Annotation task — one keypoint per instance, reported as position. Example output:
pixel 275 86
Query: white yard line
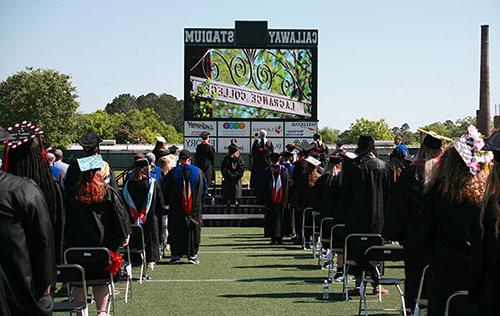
pixel 195 280
pixel 249 252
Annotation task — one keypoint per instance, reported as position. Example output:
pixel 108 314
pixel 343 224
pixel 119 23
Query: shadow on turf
pixel 317 280
pixel 307 267
pixel 334 297
pixel 281 255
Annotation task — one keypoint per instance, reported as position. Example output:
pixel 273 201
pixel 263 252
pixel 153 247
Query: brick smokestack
pixel 483 118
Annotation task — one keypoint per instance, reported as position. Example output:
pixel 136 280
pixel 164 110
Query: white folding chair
pixel 321 239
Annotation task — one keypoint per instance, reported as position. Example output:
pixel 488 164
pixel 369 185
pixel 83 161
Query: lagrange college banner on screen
pixel 251 97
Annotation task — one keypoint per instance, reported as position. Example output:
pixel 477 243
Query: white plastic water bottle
pixel 326 293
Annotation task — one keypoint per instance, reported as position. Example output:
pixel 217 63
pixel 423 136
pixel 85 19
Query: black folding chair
pixel 322 239
pixel 457 304
pixel 70 274
pixel 375 257
pixel 421 303
pixel 94 260
pixel 137 247
pixel 354 253
pixel 314 214
pixel 338 234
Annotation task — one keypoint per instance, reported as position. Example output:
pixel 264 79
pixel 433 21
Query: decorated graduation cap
pixel 469 146
pixel 433 140
pixel 90 163
pixel 20 134
pixel 315 162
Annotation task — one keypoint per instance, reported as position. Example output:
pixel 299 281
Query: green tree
pixel 451 129
pixel 379 129
pixel 408 136
pixel 43 96
pixel 100 122
pixel 121 104
pixel 329 135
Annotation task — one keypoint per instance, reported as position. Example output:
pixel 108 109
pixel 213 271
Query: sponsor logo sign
pixel 300 129
pixel 242 143
pixel 233 128
pixel 298 141
pixel 278 144
pixel 190 143
pixel 273 129
pixel 195 128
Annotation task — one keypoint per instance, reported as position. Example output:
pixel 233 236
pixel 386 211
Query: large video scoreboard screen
pixel 225 78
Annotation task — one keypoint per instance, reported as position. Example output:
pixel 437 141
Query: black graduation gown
pixel 231 179
pixel 448 235
pixel 288 223
pixel 138 191
pixel 204 159
pixel 274 212
pixel 27 264
pixel 261 159
pixel 486 260
pixel 322 150
pixel 305 196
pixel 184 231
pixel 405 223
pixel 364 194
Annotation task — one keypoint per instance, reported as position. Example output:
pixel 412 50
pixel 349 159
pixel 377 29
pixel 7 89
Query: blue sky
pixel 405 61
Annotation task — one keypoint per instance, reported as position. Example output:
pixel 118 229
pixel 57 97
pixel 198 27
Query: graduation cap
pixel 90 163
pixel 336 157
pixel 315 162
pixel 184 154
pixel 275 157
pixel 365 140
pixel 21 133
pixel 89 141
pixel 172 149
pixel 432 139
pixel 231 149
pixel 204 135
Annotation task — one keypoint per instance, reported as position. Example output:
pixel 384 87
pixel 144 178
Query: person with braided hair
pixel 25 157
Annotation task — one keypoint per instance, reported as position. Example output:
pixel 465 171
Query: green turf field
pixel 240 274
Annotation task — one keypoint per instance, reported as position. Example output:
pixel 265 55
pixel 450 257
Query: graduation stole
pixel 262 144
pixel 187 196
pixel 139 217
pixel 277 190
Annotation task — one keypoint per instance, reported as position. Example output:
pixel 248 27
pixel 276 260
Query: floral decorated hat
pixel 470 147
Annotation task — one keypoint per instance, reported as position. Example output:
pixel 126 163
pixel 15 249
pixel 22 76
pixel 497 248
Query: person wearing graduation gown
pixel 486 243
pixel 320 148
pixel 25 156
pixel 288 223
pixel 98 218
pixel 364 189
pixel 160 148
pixel 306 196
pixel 232 172
pixel 184 189
pixel 262 148
pixel 451 211
pixel 204 158
pixel 275 192
pixel 27 264
pixel 143 197
pixel 90 143
pixel 396 165
pixel 405 212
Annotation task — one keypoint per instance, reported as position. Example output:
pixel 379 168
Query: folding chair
pixel 457 304
pixel 70 274
pixel 354 254
pixel 127 269
pixel 375 257
pixel 322 239
pixel 94 260
pixel 314 214
pixel 420 303
pixel 137 246
pixel 337 236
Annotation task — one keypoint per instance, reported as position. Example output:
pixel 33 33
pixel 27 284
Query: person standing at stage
pixel 451 211
pixel 319 148
pixel 275 193
pixel 232 172
pixel 204 158
pixel 143 197
pixel 184 189
pixel 405 213
pixel 262 148
pixel 27 264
